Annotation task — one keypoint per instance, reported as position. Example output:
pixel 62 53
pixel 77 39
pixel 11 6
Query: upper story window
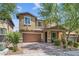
pixel 39 23
pixel 27 20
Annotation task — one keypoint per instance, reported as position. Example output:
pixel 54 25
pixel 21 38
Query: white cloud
pixel 19 8
pixel 37 5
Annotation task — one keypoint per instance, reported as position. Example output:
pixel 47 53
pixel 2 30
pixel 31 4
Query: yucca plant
pixel 13 37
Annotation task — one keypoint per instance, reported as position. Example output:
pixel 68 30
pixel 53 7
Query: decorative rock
pixel 4 52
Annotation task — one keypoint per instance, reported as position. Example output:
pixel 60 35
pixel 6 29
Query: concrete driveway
pixel 43 49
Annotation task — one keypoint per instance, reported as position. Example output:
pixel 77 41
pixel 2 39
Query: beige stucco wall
pixel 10 29
pixel 49 36
pixel 42 37
pixel 25 27
pixel 60 35
pixel 5 25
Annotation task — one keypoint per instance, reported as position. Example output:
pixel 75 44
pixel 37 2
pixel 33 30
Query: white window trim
pixel 24 20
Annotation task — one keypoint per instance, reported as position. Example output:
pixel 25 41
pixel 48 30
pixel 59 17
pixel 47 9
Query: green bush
pixel 70 43
pixel 57 42
pixel 13 37
pixel 76 44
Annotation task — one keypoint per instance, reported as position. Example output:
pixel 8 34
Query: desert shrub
pixel 76 44
pixel 70 43
pixel 57 42
pixel 13 37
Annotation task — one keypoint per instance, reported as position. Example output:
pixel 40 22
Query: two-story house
pixel 34 30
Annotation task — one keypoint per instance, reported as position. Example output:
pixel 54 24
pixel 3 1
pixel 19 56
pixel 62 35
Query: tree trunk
pixel 64 41
pixel 14 47
pixel 68 35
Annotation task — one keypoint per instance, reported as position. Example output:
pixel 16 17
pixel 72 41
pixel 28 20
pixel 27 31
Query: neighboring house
pixel 73 36
pixel 34 30
pixel 5 26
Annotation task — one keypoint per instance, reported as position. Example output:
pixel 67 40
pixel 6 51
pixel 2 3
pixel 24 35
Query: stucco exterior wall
pixel 6 26
pixel 25 27
pixel 10 29
pixel 49 36
pixel 3 25
pixel 60 35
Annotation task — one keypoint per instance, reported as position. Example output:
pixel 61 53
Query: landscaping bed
pixel 3 49
pixel 19 51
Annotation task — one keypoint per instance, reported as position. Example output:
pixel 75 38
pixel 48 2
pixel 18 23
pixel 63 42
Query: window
pixel 39 23
pixel 2 30
pixel 27 20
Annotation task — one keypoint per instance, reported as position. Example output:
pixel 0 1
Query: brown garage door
pixel 31 37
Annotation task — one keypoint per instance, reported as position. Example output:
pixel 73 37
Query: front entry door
pixel 53 36
pixel 45 37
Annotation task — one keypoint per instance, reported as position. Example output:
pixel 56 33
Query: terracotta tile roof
pixel 11 22
pixel 25 13
pixel 57 27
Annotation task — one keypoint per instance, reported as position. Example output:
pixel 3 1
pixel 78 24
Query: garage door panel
pixel 31 37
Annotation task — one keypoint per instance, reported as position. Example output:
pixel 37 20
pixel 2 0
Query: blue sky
pixel 25 7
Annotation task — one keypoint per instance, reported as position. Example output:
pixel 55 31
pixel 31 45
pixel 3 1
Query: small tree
pixel 50 13
pixel 71 12
pixel 13 37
